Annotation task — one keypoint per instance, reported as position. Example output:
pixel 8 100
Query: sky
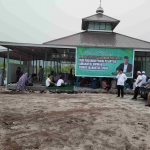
pixel 38 21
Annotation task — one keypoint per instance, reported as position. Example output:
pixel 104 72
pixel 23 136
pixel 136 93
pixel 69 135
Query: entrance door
pixel 142 63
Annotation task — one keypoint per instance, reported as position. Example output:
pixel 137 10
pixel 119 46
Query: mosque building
pixel 98 33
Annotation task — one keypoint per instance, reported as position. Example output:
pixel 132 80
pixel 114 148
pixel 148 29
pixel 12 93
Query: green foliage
pixel 2 65
pixel 66 69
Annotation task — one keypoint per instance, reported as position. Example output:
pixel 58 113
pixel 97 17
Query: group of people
pixel 67 77
pixel 22 79
pixel 121 78
pixel 107 85
pixel 62 79
pixel 97 82
pixel 49 82
pixel 58 79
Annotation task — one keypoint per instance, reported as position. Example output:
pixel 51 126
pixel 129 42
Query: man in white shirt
pixel 143 77
pixel 120 82
pixel 60 82
pixel 49 82
pixel 138 84
pixel 134 84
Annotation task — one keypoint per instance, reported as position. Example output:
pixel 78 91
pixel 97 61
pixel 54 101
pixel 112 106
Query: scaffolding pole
pixel 28 67
pixel 33 64
pixel 4 64
pixel 50 66
pixel 36 65
pixel 7 65
pixel 45 65
pixel 20 59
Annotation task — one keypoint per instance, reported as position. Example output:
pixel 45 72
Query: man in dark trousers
pixel 18 73
pixel 125 66
pixel 138 84
pixel 121 78
pixel 41 74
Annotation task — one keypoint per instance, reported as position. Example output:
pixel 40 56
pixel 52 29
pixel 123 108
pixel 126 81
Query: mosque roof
pixel 100 39
pixel 99 18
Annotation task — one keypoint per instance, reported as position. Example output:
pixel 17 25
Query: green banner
pixel 104 62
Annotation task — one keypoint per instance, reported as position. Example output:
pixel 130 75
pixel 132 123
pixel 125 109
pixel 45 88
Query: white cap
pixel 139 72
pixel 143 72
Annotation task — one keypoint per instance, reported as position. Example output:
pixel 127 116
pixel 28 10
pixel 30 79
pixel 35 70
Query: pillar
pixel 54 67
pixel 28 66
pixel 4 64
pixel 36 65
pixel 39 63
pixel 20 59
pixel 145 62
pixel 7 65
pixel 50 66
pixel 60 66
pixel 45 65
pixel 33 64
pixel 57 66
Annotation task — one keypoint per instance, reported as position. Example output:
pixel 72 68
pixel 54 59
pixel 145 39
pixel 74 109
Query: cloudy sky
pixel 38 21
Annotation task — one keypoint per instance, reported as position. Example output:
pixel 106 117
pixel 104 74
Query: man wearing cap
pixel 143 77
pixel 125 66
pixel 121 78
pixel 138 84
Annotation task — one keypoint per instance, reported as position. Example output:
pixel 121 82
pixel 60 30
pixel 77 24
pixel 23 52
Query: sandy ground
pixel 73 122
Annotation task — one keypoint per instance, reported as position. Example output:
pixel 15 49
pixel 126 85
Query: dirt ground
pixel 73 122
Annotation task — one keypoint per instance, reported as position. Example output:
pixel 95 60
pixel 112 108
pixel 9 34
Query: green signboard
pixel 104 62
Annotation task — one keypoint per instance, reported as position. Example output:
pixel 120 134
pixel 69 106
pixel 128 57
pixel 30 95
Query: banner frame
pixel 103 76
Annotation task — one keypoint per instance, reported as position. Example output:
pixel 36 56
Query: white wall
pixel 24 68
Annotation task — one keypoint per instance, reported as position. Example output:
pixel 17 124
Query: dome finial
pixel 100 9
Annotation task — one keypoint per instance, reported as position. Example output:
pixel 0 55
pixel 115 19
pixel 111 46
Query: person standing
pixel 143 77
pixel 121 78
pixel 138 84
pixel 18 74
pixel 41 74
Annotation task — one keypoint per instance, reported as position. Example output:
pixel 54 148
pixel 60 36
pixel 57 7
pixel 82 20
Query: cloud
pixel 36 21
pixel 136 22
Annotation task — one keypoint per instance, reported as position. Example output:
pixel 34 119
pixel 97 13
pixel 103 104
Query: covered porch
pixel 30 56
